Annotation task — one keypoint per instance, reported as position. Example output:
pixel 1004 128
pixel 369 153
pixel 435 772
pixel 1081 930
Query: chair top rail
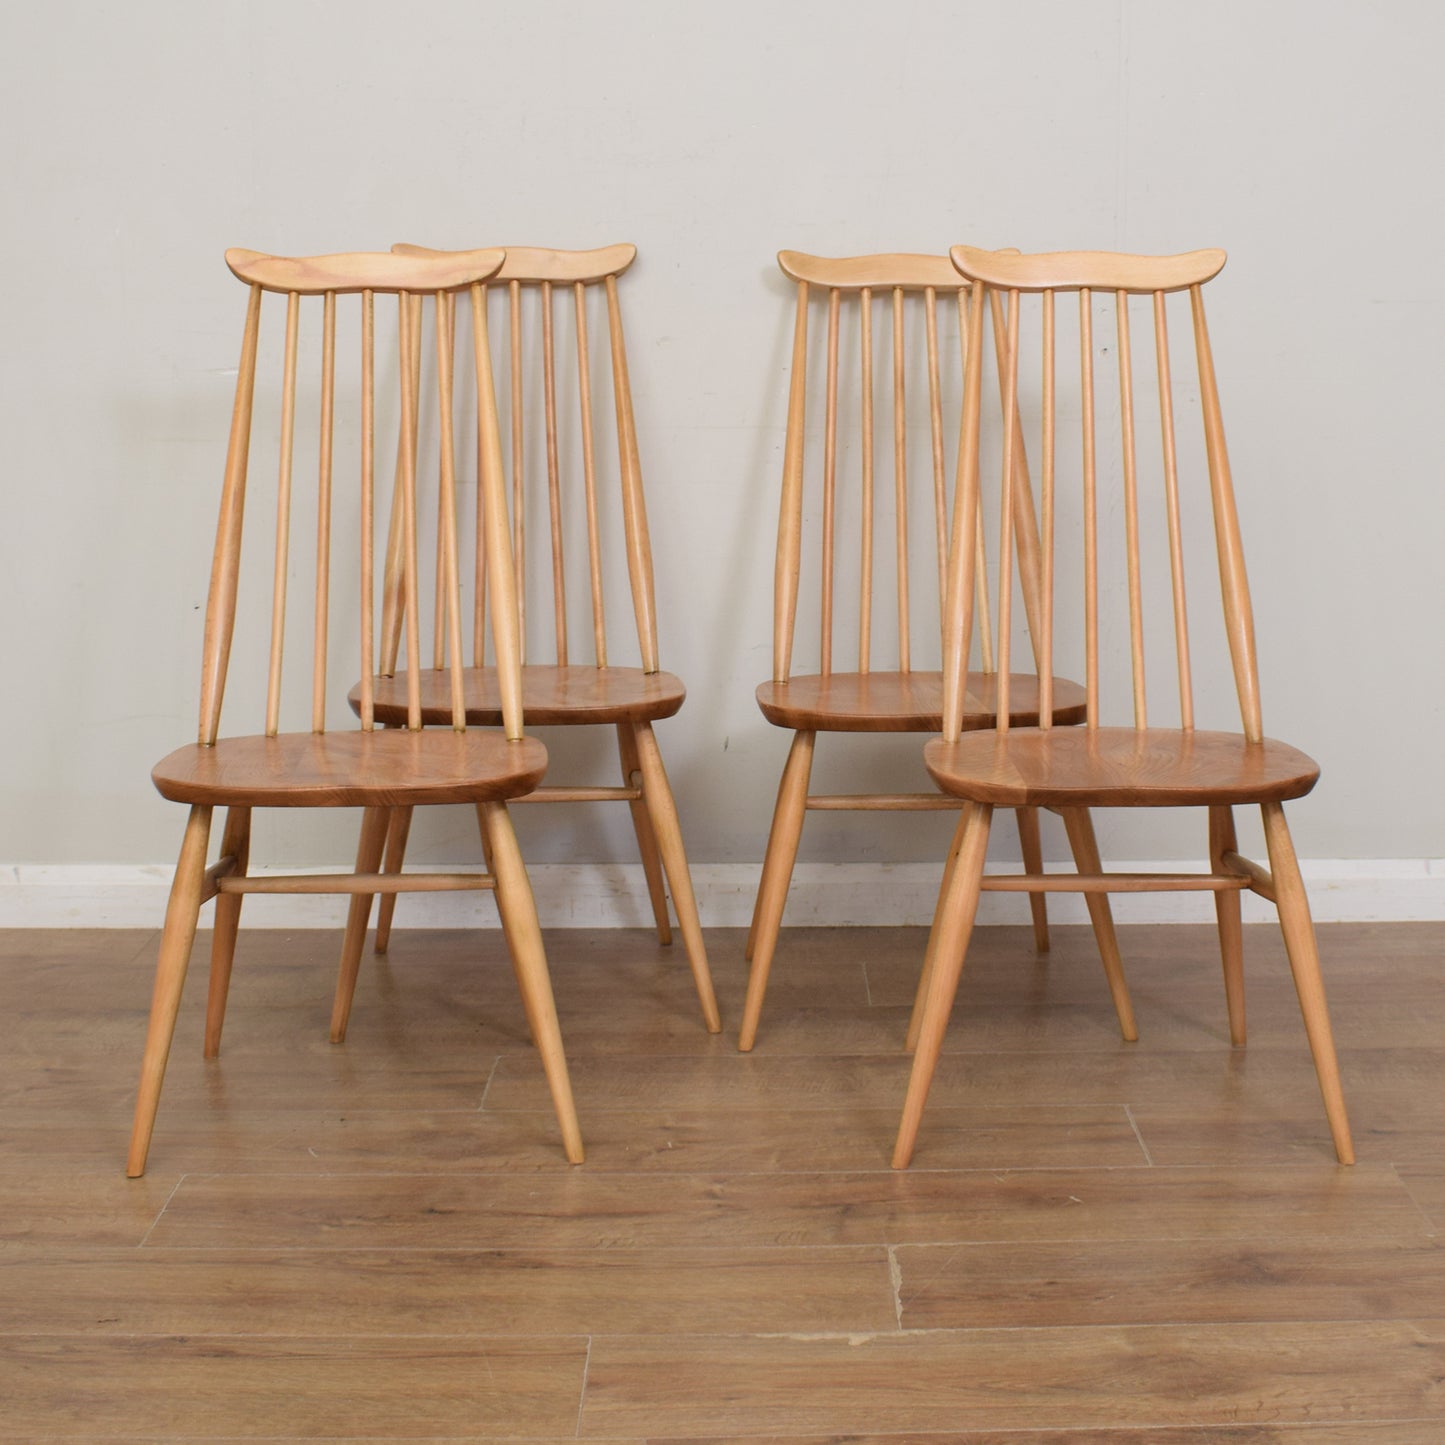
pixel 884 272
pixel 532 264
pixel 350 272
pixel 1093 270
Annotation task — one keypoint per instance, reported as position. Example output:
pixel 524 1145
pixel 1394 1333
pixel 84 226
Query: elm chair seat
pixel 551 696
pixel 904 702
pixel 1118 767
pixel 352 770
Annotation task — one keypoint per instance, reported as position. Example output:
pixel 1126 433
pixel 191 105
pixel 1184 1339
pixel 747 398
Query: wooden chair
pixel 564 691
pixel 1143 764
pixel 905 699
pixel 366 767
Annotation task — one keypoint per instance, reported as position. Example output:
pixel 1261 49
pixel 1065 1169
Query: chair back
pixel 310 368
pixel 846 289
pixel 543 361
pixel 1142 488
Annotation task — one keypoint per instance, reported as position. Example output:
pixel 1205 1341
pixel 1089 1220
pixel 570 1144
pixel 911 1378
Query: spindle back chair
pixel 542 356
pixel 362 765
pixel 1143 764
pixel 849 692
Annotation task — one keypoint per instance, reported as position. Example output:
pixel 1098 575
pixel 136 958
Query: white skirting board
pixel 613 895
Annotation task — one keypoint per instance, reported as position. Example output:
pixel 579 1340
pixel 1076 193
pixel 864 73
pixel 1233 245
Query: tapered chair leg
pixel 524 938
pixel 368 860
pixel 1304 962
pixel 920 997
pixel 662 810
pixel 1228 908
pixel 1080 828
pixel 235 843
pixel 646 838
pixel 177 936
pixel 953 925
pixel 788 814
pixel 396 836
pixel 1031 847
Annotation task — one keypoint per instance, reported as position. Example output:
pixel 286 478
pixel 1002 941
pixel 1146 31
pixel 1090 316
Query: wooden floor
pixel 1098 1242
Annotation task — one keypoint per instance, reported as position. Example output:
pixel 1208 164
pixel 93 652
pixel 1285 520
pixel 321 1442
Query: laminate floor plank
pixel 583 1209
pixel 413 1292
pixel 655 1140
pixel 1142 1244
pixel 1099 1378
pixel 154 1387
pixel 1179 1281
pixel 39 1205
pixel 1387 1432
pixel 1426 1183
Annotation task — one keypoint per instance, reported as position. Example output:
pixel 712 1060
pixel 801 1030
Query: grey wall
pixel 145 139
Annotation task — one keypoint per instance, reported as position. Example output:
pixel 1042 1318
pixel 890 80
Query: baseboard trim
pixel 613 895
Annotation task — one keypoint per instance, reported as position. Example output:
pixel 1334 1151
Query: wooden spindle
pixel 506 620
pixel 961 556
pixel 1091 519
pixel 225 566
pixel 283 516
pixel 450 567
pixel 479 544
pixel 1238 612
pixel 446 528
pixel 554 475
pixel 830 479
pixel 865 579
pixel 368 508
pixel 1045 639
pixel 935 438
pixel 408 321
pixel 1025 519
pixel 790 510
pixel 323 513
pixel 1131 508
pixel 1006 512
pixel 519 509
pixel 589 476
pixel 393 585
pixel 634 508
pixel 1171 500
pixel 900 478
pixel 980 547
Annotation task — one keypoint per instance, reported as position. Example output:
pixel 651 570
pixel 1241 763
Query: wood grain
pixel 552 696
pixel 905 702
pixel 978 1379
pixel 1118 767
pixel 340 770
pixel 1092 270
pixel 1147 1244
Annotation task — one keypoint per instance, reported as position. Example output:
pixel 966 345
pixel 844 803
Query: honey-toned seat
pixel 543 357
pixel 1118 768
pixel 903 702
pixel 904 698
pixel 1144 482
pixel 360 765
pixel 552 696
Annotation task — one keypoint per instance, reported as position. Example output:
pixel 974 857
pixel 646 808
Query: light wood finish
pixel 377 1240
pixel 236 847
pixel 904 702
pixel 551 696
pixel 566 691
pixel 1088 270
pixel 368 768
pixel 357 272
pixel 1107 766
pixel 904 696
